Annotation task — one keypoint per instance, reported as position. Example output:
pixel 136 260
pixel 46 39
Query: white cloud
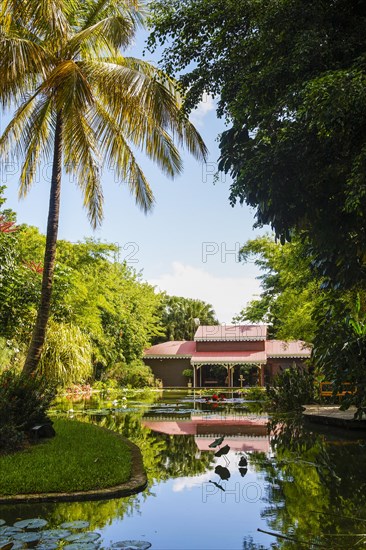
pixel 183 483
pixel 228 295
pixel 206 105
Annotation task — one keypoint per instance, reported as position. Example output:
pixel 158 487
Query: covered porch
pixel 222 369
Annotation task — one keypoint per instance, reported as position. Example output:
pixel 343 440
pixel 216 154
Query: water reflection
pixel 315 488
pixel 218 474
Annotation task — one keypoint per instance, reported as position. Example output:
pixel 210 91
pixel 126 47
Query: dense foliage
pixel 81 103
pixel 102 312
pixel 24 402
pixel 290 76
pixel 291 389
pixel 290 290
pixel 340 350
pixel 297 306
pixel 181 317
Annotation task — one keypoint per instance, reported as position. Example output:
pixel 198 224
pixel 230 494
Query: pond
pixel 260 476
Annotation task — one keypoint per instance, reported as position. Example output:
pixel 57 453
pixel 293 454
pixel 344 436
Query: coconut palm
pixel 81 104
pixel 181 317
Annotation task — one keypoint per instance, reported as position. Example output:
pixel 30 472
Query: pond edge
pixel 136 484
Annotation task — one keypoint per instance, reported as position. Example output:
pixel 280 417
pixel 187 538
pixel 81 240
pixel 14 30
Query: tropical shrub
pixel 291 389
pixel 340 351
pixel 5 354
pixel 188 373
pixel 67 355
pixel 135 375
pixel 24 401
pixel 256 393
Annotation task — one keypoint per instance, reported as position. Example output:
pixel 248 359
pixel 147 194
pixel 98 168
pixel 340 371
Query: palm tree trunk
pixel 39 331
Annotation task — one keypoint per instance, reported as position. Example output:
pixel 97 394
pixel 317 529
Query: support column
pixel 194 376
pixel 261 376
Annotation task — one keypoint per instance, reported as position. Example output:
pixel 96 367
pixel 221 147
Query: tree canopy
pixel 290 76
pixel 103 313
pixel 290 292
pixel 81 105
pixel 180 317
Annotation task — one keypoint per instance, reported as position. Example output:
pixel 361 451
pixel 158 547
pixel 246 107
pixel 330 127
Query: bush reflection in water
pixel 314 482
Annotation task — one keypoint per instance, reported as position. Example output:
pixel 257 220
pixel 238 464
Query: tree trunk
pixel 39 331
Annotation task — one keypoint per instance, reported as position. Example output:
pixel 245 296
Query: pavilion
pixel 225 355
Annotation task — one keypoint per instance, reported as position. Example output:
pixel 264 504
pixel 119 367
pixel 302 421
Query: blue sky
pixel 186 246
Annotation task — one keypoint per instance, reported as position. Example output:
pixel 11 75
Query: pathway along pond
pixel 270 474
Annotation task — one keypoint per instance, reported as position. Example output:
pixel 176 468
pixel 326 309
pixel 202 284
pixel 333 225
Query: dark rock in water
pixel 40 431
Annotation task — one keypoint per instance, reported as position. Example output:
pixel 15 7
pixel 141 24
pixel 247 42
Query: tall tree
pixel 291 78
pixel 80 104
pixel 290 292
pixel 180 317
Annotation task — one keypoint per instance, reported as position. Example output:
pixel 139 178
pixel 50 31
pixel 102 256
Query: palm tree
pixel 181 317
pixel 81 104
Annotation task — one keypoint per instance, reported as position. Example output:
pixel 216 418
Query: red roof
pixel 231 333
pixel 181 348
pixel 279 348
pixel 273 348
pixel 215 357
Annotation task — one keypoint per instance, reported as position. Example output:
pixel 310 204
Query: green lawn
pixel 81 457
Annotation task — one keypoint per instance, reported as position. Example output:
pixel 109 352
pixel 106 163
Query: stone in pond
pixel 81 538
pixel 54 534
pixel 35 523
pixel 132 545
pixel 27 537
pixel 78 524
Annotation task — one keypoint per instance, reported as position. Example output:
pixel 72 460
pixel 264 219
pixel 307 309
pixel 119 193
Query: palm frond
pixel 127 80
pixel 109 34
pixel 37 133
pixel 46 18
pixel 69 86
pixel 13 140
pixel 82 159
pixel 97 10
pixel 140 131
pixel 121 158
pixel 22 64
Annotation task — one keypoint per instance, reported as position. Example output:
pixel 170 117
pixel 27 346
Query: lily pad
pixel 81 538
pixel 78 524
pixel 54 534
pixel 2 521
pixel 9 531
pixel 80 546
pixel 27 537
pixel 132 545
pixel 13 545
pixel 48 545
pixel 35 523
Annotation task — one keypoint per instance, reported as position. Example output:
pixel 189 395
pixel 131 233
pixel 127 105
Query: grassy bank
pixel 81 457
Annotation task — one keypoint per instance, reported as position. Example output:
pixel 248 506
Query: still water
pixel 271 474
